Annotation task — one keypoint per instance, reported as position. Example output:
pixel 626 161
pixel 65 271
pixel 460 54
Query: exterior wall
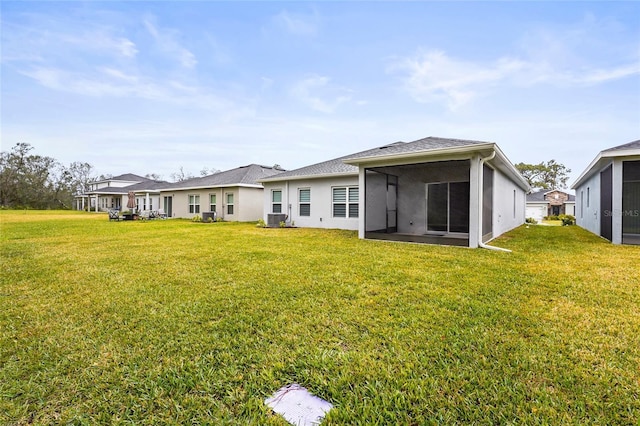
pixel 536 210
pixel 112 183
pixel 321 203
pixel 570 208
pixel 249 204
pixel 141 202
pixel 588 204
pixel 508 212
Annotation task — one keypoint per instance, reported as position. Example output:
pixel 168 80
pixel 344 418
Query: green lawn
pixel 176 322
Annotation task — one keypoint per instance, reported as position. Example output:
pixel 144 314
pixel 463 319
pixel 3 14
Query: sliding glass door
pixel 448 207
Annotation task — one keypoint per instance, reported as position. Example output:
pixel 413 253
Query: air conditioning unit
pixel 274 219
pixel 207 215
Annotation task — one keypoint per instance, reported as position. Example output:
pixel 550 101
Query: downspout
pixel 481 186
pixel 286 190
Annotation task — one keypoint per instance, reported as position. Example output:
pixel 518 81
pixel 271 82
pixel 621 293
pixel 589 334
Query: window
pixel 230 204
pixel 276 201
pixel 514 203
pixel 345 202
pixel 194 204
pixel 588 197
pixel 212 202
pixel 304 200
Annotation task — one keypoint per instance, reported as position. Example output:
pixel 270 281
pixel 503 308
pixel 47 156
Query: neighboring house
pixel 234 195
pixel 550 203
pixel 112 193
pixel 433 190
pixel 608 194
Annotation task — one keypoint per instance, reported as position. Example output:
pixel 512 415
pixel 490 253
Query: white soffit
pixel 298 406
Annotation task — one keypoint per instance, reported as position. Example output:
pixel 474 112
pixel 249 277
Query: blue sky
pixel 149 87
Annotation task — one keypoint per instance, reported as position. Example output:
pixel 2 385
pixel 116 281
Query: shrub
pixel 551 217
pixel 261 223
pixel 531 220
pixel 567 219
pixel 196 218
pixel 210 219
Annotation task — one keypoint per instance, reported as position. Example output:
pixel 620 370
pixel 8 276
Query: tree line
pixel 32 181
pixel 28 180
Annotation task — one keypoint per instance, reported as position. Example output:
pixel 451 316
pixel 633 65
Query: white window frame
pixel 194 203
pixel 230 205
pixel 276 206
pixel 304 203
pixel 348 202
pixel 213 202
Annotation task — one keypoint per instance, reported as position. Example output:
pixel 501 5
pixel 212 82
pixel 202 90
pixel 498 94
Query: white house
pixel 112 193
pixel 432 190
pixel 608 194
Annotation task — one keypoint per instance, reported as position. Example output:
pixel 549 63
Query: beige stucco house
pixel 231 195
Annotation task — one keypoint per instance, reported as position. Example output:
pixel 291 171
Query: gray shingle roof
pixel 129 176
pixel 147 185
pixel 537 196
pixel 630 145
pixel 337 166
pixel 426 144
pixel 245 175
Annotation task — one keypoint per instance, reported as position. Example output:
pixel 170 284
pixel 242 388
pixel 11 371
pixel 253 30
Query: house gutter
pixel 481 185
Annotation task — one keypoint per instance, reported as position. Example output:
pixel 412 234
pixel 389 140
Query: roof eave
pixel 191 188
pixel 438 152
pixel 603 156
pixel 304 177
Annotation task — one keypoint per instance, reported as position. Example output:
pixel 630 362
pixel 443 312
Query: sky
pixel 152 87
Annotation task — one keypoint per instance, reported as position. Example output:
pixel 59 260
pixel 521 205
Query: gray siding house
pixel 432 190
pixel 608 194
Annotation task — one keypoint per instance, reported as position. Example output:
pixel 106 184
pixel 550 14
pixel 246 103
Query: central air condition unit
pixel 207 215
pixel 274 219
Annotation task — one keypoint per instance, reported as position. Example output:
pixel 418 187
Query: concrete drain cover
pixel 298 406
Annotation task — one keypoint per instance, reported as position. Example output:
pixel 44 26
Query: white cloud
pixel 166 40
pixel 604 75
pixel 319 95
pixel 434 76
pixel 297 24
pixel 112 82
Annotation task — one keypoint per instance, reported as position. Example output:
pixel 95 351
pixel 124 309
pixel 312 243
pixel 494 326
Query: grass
pixel 176 322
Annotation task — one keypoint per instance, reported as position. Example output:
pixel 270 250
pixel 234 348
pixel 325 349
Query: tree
pixel 71 181
pixel 39 182
pixel 26 180
pixel 153 176
pixel 549 175
pixel 181 175
pixel 208 171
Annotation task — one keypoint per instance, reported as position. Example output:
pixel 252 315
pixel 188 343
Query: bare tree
pixel 181 175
